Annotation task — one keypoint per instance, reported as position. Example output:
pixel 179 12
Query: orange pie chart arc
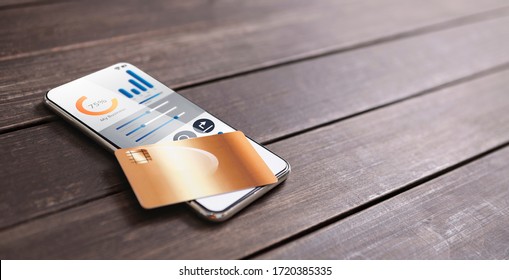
pixel 79 106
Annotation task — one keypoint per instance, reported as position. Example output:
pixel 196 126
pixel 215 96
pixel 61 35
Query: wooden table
pixel 393 114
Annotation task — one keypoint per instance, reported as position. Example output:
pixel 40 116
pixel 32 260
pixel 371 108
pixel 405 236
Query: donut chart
pixel 81 108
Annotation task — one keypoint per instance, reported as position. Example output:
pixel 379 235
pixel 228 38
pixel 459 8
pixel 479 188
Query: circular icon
pixel 98 103
pixel 203 125
pixel 183 135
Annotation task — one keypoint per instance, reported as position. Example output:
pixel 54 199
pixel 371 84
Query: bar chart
pixel 153 111
pixel 140 85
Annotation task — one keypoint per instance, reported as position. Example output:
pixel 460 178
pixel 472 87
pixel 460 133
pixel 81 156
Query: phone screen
pixel 128 108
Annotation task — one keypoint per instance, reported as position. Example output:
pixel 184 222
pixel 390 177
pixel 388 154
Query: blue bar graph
pixel 125 92
pixel 138 85
pixel 143 81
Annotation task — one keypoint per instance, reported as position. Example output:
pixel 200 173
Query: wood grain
pixel 460 215
pixel 326 89
pixel 335 168
pixel 30 29
pixel 14 4
pixel 183 49
pixel 278 102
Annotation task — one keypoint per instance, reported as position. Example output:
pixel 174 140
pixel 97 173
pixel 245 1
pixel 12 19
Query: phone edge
pixel 241 203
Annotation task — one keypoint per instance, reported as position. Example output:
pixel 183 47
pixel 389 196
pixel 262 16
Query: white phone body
pixel 121 107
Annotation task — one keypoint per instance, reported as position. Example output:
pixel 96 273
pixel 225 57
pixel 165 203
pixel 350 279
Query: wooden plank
pixel 335 168
pixel 207 50
pixel 75 20
pixel 78 22
pixel 296 97
pixel 461 215
pixel 13 4
pixel 265 105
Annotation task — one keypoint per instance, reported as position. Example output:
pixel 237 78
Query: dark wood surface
pixel 392 114
pixel 232 41
pixel 338 78
pixel 461 215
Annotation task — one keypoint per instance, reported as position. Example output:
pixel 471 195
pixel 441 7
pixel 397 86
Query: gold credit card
pixel 172 172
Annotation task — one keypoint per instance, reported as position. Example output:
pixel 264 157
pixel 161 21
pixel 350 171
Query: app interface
pixel 130 108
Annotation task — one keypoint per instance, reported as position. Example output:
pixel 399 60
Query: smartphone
pixel 122 107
